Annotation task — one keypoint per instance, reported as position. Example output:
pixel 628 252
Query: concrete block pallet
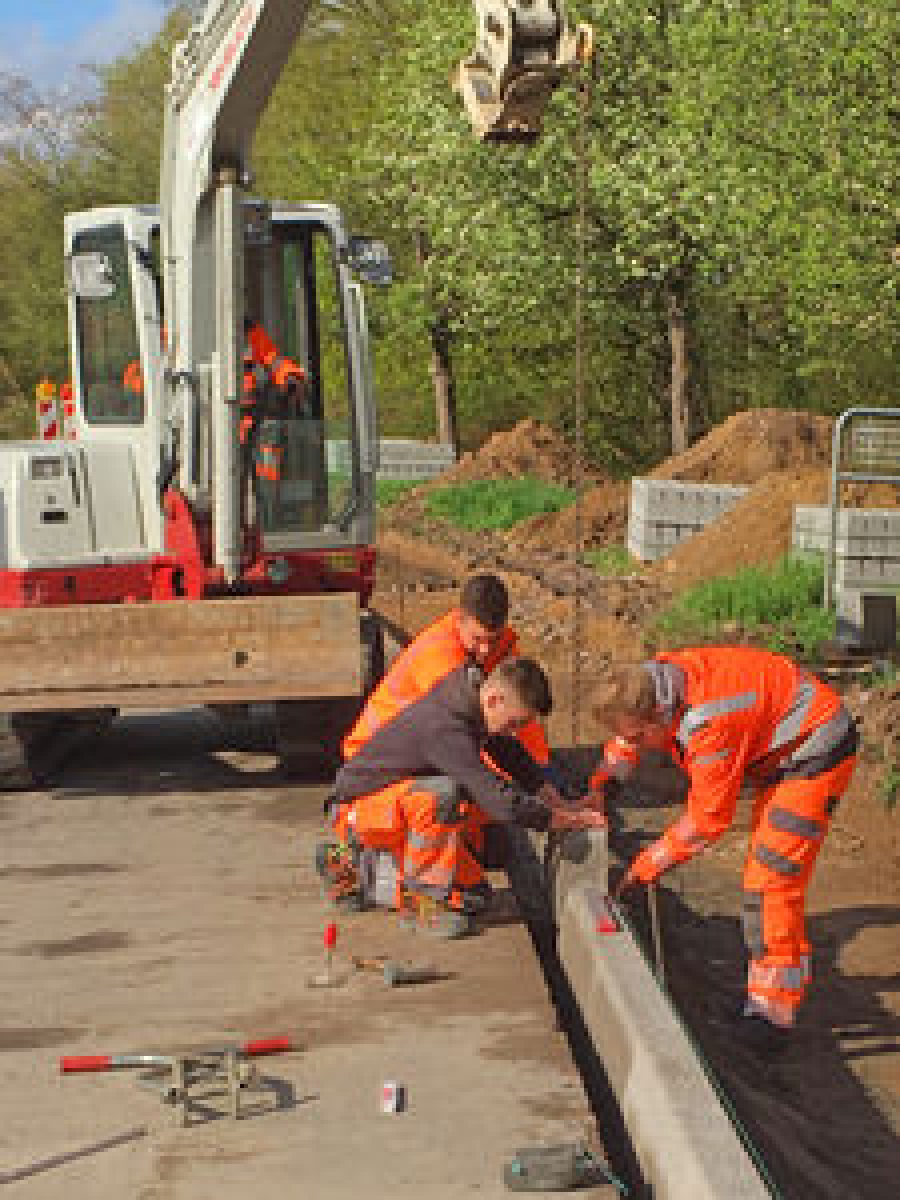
pixel 665 512
pixel 399 458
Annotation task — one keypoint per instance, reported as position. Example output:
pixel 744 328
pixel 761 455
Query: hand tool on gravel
pixel 175 1075
pixel 396 974
pixel 558 1169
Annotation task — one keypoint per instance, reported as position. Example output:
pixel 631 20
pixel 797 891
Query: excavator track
pixel 33 746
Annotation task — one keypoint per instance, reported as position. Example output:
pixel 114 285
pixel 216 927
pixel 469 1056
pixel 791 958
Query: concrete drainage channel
pixel 663 1126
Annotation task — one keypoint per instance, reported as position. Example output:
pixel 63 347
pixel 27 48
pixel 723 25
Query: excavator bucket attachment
pixel 523 48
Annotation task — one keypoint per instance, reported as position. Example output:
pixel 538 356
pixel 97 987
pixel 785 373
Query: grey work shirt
pixel 443 733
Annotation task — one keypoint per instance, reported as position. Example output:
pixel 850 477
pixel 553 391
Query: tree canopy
pixel 742 167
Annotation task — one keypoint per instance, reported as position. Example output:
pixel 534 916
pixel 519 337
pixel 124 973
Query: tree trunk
pixel 441 368
pixel 444 394
pixel 680 390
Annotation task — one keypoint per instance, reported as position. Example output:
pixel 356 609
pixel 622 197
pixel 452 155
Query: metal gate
pixel 865 449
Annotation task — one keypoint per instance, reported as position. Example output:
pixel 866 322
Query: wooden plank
pixel 184 652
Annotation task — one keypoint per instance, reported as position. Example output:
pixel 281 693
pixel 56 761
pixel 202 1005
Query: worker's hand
pixel 595 800
pixel 629 879
pixel 576 818
pixel 551 796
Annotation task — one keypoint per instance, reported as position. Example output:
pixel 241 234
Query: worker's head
pixel 483 609
pixel 625 705
pixel 515 692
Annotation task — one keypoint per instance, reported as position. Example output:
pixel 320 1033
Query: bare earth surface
pixel 827 1117
pixel 164 897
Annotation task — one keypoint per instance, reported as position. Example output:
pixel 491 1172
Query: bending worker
pixel 405 798
pixel 730 715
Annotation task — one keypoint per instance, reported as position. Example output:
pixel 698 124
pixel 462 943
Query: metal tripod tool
pixel 175 1076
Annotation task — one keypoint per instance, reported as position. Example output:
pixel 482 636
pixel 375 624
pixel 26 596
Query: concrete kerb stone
pixel 684 1141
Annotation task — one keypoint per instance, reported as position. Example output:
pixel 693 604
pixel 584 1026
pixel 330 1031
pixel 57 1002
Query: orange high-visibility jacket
pixel 429 658
pixel 262 363
pixel 742 712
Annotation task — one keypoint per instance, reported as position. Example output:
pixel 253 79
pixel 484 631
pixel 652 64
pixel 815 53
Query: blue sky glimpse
pixel 49 42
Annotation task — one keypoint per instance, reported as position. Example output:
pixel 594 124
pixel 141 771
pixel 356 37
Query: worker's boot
pixel 758 1034
pixel 337 866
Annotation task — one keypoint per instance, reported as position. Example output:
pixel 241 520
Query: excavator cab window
pixel 309 472
pixel 109 353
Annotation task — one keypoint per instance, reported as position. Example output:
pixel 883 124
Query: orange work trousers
pixel 790 820
pixel 431 829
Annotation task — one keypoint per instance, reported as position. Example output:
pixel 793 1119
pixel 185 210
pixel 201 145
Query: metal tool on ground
pixel 558 1169
pixel 105 1062
pixel 397 974
pixel 328 977
pixel 656 930
pixel 38 1166
pixel 204 1072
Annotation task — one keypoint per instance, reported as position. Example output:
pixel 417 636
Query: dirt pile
pixel 751 445
pixel 529 448
pixel 749 448
pixel 757 530
pixel 604 521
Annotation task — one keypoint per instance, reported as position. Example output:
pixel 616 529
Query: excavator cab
pixel 315 446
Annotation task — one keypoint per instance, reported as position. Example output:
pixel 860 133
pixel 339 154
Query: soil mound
pixel 759 528
pixel 604 521
pixel 750 445
pixel 529 448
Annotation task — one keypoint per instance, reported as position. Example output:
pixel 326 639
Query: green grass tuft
pixel 389 491
pixel 780 605
pixel 496 503
pixel 612 560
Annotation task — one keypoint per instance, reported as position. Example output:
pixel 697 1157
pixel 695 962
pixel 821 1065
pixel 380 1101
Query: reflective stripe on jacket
pixel 742 712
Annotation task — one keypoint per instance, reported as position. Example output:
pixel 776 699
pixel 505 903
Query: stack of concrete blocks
pixel 399 458
pixel 866 567
pixel 665 512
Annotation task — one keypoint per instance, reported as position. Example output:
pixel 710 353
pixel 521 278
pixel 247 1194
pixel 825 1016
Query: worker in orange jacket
pixel 271 385
pixel 474 634
pixel 407 794
pixel 730 716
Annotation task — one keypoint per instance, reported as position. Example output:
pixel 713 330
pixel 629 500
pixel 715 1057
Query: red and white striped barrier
pixel 48 424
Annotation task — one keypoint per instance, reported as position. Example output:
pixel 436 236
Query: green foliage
pixel 496 503
pixel 889 788
pixel 389 491
pixel 781 606
pixel 612 560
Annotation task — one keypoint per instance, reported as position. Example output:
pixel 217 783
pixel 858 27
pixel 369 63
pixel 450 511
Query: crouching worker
pixel 730 716
pixel 405 805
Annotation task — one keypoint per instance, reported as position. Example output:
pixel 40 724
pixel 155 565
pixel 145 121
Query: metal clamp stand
pixel 180 1074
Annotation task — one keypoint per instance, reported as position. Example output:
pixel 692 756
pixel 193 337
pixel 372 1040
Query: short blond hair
pixel 625 690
